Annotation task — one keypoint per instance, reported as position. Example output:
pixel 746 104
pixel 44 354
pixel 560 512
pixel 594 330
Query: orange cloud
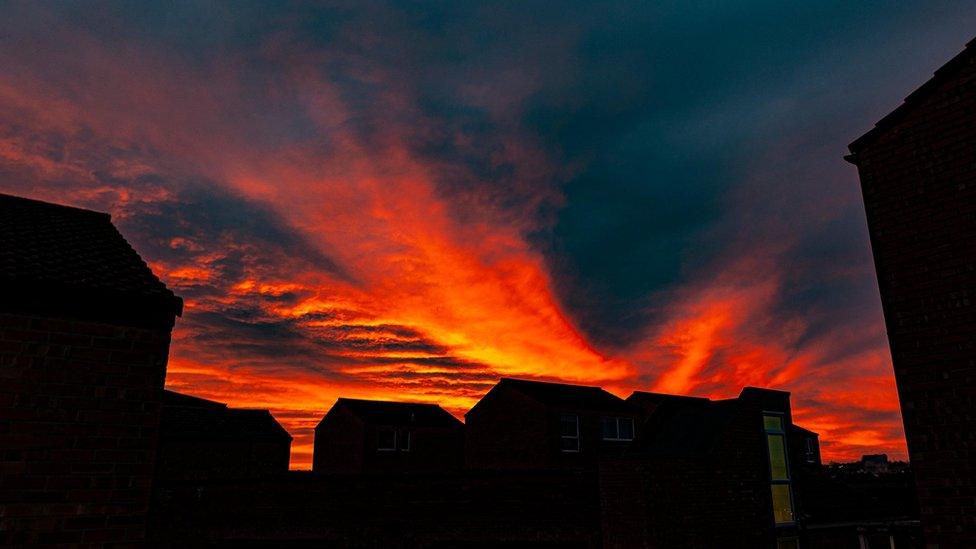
pixel 344 263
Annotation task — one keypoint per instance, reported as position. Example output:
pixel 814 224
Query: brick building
pixel 521 424
pixel 84 339
pixel 372 436
pixel 918 178
pixel 705 474
pixel 200 438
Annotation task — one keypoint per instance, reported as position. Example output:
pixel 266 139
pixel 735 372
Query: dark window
pixel 569 433
pixel 811 450
pixel 403 441
pixel 386 440
pixel 779 469
pixel 626 428
pixel 617 428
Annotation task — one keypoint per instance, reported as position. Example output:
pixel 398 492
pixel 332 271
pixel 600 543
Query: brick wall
pixel 507 430
pixel 459 510
pixel 220 458
pixel 918 178
pixel 79 405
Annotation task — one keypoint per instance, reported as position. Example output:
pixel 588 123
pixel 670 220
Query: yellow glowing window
pixel 777 457
pixel 773 423
pixel 779 469
pixel 782 503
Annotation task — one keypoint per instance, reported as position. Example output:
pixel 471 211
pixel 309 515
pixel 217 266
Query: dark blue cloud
pixel 678 133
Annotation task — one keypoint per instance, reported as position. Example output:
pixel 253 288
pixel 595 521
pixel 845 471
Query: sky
pixel 408 201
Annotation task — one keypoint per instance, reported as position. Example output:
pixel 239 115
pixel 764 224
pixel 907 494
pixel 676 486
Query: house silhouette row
pixel 94 452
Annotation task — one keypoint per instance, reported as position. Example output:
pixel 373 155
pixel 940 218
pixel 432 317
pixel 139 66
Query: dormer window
pixel 569 433
pixel 617 428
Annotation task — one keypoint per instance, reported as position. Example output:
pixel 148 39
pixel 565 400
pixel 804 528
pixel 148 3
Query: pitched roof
pixel 942 74
pixel 682 426
pixel 383 412
pixel 44 245
pixel 185 416
pixel 563 395
pixel 794 428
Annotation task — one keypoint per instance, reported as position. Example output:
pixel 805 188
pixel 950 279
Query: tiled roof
pixel 185 416
pixel 381 412
pixel 71 248
pixel 563 395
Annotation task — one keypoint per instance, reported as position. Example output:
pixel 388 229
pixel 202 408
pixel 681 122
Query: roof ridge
pixel 407 403
pixel 52 205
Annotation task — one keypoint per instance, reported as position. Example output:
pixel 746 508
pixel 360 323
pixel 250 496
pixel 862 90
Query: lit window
pixel 773 423
pixel 777 457
pixel 782 504
pixel 617 428
pixel 569 433
pixel 386 440
pixel 779 469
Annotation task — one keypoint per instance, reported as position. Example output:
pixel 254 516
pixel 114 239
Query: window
pixel 569 433
pixel 392 440
pixel 779 469
pixel 386 440
pixel 811 450
pixel 617 428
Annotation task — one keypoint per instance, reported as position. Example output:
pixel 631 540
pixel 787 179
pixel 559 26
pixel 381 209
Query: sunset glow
pixel 349 210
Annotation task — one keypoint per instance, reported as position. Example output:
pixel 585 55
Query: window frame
pixel 616 421
pixel 562 437
pixel 408 439
pixel 379 433
pixel 809 450
pixel 788 481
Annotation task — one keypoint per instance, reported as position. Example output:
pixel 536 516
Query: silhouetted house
pixel 918 178
pixel 201 438
pixel 84 339
pixel 521 424
pixel 373 436
pixel 705 474
pixel 804 447
pixel 875 464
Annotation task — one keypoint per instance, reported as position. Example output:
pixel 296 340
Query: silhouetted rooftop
pixel 650 401
pixel 942 74
pixel 186 416
pixel 563 395
pixel 686 427
pixel 383 412
pixel 44 245
pixel 794 428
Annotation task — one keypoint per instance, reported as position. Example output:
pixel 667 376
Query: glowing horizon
pixel 408 205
